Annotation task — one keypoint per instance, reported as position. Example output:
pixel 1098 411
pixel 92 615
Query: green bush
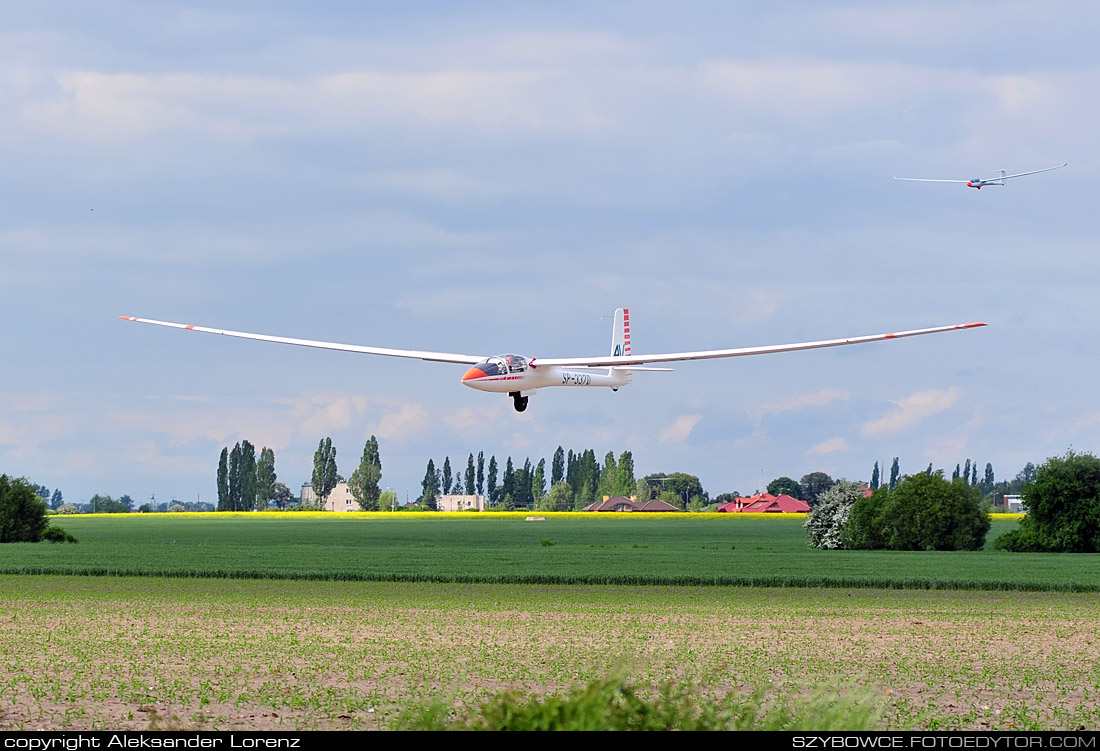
pixel 923 512
pixel 56 534
pixel 1063 508
pixel 616 703
pixel 22 511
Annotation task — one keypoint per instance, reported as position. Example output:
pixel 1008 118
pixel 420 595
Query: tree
pixel 234 478
pixel 684 486
pixel 895 473
pixel 624 475
pixel 223 481
pixel 1063 508
pixel 265 478
pixel 430 486
pixel 1027 474
pixel 966 472
pixel 642 491
pixel 557 467
pixel 785 486
pixel 560 498
pixel 875 478
pixel 281 495
pixel 813 485
pixel 989 480
pixel 447 475
pixel 67 508
pixel 324 470
pixel 364 480
pixel 146 508
pixel 957 473
pixel 538 482
pixel 508 481
pixel 249 488
pixel 826 522
pixel 105 504
pixel 387 500
pixel 491 482
pixel 22 511
pixel 974 474
pixel 471 475
pixel 608 480
pixel 481 473
pixel 57 500
pixel 923 512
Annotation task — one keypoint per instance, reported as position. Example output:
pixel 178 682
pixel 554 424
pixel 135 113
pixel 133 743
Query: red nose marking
pixel 471 374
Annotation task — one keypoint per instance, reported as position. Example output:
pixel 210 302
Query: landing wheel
pixel 519 402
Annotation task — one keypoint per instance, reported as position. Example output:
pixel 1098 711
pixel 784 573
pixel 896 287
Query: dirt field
pixel 107 653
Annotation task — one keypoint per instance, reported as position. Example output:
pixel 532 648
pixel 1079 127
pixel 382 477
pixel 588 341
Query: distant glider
pixel 520 377
pixel 978 182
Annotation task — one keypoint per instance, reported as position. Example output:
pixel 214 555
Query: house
pixel 460 502
pixel 766 503
pixel 622 503
pixel 338 500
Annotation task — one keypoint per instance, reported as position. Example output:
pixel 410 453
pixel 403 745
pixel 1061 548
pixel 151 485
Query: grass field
pixel 106 652
pixel 731 549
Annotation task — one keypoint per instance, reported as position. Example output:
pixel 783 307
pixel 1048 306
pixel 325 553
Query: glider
pixel 520 377
pixel 978 182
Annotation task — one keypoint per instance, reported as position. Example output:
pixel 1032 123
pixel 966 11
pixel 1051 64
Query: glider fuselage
pixel 506 374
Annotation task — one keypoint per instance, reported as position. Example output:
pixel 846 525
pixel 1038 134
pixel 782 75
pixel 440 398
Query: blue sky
pixel 498 177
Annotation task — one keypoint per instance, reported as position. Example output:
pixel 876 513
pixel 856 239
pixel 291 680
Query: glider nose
pixel 472 374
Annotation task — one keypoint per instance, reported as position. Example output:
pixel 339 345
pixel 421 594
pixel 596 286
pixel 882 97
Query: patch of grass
pixel 619 703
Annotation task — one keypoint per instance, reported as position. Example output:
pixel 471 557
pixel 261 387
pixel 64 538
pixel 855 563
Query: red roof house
pixel 766 503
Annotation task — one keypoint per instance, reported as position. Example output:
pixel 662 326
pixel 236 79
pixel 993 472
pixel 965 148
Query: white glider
pixel 980 183
pixel 519 376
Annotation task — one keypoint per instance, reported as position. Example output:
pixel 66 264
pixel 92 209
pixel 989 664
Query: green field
pixel 673 550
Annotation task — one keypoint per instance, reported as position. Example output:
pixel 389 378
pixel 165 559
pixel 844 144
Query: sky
pixel 491 177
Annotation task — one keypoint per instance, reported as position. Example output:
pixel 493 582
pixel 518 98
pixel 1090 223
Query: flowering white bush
pixel 831 514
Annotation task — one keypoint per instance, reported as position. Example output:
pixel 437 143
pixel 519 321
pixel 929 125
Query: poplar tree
pixel 223 481
pixel 470 475
pixel 624 475
pixel 265 478
pixel 430 486
pixel 608 480
pixel 538 482
pixel 481 473
pixel 325 476
pixel 875 478
pixel 364 480
pixel 447 476
pixel 247 501
pixel 895 472
pixel 557 467
pixel 491 482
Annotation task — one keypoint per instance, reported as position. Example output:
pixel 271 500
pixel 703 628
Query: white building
pixel 338 500
pixel 1014 504
pixel 460 502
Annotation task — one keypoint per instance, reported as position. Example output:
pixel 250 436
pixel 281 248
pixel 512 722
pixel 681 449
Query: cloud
pixel 829 446
pixel 800 401
pixel 913 409
pixel 680 428
pixel 407 422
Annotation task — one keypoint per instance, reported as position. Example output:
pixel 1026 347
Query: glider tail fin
pixel 620 344
pixel 620 336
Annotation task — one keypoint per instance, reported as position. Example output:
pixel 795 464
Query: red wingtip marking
pixel 189 328
pixel 891 336
pixel 126 318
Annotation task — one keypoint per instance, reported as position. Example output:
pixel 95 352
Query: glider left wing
pixel 408 353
